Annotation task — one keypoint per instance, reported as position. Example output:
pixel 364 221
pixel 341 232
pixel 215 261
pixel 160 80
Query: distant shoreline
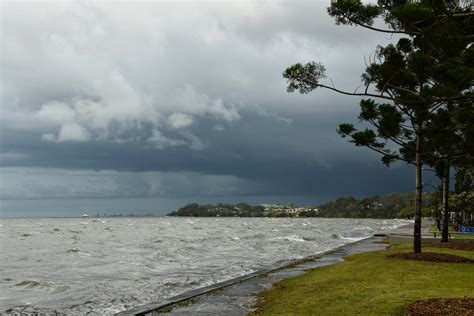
pixel 386 206
pixel 178 216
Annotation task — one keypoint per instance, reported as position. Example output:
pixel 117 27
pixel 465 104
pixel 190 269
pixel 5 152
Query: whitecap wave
pixel 290 238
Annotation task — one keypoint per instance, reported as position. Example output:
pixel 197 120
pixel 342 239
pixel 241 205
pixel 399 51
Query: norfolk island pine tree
pixel 416 77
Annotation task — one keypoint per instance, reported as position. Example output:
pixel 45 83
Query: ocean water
pixel 103 266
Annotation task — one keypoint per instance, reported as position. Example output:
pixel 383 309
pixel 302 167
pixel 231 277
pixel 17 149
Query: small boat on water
pixel 84 215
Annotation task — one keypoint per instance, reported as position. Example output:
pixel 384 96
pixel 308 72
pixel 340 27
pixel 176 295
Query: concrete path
pixel 404 234
pixel 238 296
pixel 408 229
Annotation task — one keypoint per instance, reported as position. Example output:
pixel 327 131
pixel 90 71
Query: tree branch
pixel 393 139
pixel 378 29
pixel 389 154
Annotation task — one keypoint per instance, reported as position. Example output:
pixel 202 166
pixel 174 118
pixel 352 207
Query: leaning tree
pixel 428 72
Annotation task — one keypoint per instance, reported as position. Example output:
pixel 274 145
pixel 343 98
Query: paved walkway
pixel 404 234
pixel 408 229
pixel 237 296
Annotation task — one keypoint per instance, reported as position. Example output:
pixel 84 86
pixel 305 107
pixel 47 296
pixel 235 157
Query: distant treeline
pixel 224 210
pixel 393 205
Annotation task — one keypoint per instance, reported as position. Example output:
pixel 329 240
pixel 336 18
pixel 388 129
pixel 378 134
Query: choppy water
pixel 78 266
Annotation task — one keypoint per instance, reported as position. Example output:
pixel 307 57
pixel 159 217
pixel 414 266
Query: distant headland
pixel 393 205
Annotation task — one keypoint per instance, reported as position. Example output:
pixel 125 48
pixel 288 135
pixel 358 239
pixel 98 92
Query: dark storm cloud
pixel 270 157
pixel 179 99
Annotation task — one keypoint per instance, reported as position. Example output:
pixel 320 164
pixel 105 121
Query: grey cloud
pixel 180 89
pixel 50 183
pixel 179 120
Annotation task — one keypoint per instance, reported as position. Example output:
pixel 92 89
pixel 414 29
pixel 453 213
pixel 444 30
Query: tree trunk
pixel 445 232
pixel 418 191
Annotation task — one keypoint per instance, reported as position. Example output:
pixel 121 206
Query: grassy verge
pixel 462 236
pixel 369 284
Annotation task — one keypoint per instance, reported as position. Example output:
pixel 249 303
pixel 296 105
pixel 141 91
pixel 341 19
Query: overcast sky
pixel 180 100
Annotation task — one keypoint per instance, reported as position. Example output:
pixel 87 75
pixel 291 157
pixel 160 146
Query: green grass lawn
pixel 462 236
pixel 370 284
